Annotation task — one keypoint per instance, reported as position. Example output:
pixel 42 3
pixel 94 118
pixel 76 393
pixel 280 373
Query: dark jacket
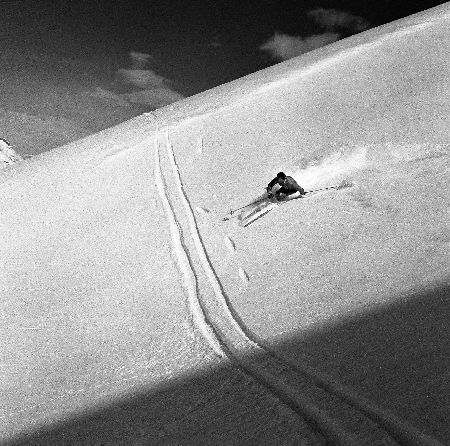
pixel 288 185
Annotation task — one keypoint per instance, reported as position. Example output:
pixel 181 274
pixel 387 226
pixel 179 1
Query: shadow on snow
pixel 397 356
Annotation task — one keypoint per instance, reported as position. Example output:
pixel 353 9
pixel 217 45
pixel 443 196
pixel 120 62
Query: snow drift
pixel 114 285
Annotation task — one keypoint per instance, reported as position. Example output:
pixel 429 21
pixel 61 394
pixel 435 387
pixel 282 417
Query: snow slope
pixel 7 154
pixel 134 314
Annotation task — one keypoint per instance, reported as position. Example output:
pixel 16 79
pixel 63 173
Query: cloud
pixel 140 60
pixel 109 96
pixel 145 79
pixel 155 98
pixel 332 19
pixel 283 46
pixel 144 86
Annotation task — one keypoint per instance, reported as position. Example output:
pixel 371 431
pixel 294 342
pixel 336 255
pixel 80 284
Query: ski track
pixel 188 276
pixel 244 276
pixel 230 244
pixel 202 211
pixel 339 415
pixel 200 146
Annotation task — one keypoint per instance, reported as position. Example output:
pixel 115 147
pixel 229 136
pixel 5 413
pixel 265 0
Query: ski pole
pixel 322 188
pixel 336 186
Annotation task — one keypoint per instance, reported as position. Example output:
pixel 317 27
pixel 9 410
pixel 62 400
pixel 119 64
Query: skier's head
pixel 281 175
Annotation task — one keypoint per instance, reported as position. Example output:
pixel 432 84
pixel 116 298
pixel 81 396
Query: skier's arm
pixel 271 184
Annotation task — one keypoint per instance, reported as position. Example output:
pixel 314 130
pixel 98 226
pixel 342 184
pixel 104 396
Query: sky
pixel 71 68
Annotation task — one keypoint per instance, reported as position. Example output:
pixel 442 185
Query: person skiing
pixel 288 186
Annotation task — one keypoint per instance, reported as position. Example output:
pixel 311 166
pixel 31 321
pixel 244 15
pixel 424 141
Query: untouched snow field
pixel 133 314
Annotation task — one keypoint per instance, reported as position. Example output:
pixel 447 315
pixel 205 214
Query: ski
pixel 268 206
pixel 257 215
pixel 234 212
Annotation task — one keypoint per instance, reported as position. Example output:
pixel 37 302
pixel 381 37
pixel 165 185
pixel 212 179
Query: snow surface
pixel 133 314
pixel 7 154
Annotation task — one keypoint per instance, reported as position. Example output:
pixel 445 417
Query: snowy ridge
pixel 339 415
pixel 232 94
pixel 7 154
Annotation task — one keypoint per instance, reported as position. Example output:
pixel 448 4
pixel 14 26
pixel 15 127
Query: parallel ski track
pixel 338 414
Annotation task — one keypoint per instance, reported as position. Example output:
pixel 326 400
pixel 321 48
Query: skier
pixel 288 186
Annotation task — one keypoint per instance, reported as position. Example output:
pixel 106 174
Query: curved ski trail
pixel 339 416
